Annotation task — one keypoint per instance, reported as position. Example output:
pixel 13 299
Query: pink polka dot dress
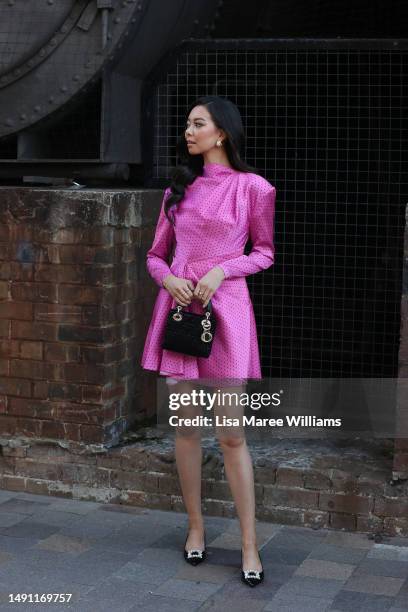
pixel 220 210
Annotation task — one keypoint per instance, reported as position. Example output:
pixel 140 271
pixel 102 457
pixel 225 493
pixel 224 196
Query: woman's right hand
pixel 180 289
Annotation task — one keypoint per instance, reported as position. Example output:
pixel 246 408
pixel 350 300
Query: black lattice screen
pixel 326 124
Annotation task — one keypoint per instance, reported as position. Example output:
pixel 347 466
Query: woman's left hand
pixel 208 284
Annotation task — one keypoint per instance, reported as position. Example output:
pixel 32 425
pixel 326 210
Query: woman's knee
pixel 231 442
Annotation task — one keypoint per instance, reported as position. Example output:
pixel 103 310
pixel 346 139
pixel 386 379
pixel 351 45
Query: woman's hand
pixel 208 285
pixel 181 289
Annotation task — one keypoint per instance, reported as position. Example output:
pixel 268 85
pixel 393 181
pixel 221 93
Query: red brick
pixel 92 433
pixel 28 427
pixel 58 274
pixel 33 408
pixel 313 479
pixel 73 431
pixel 27 349
pixel 38 487
pixel 79 294
pixel 12 483
pixel 353 504
pixel 8 424
pixel 275 514
pixel 57 313
pixel 21 271
pixel 391 507
pixel 31 369
pixel 343 521
pixel 16 386
pixel 370 524
pixel 291 497
pixel 4 367
pixel 4 288
pixel 34 469
pixel 16 310
pixel 84 372
pixel 33 331
pixel 5 327
pixel 52 429
pixel 396 526
pixel 34 292
pixel 289 477
pixel 3 404
pixel 54 351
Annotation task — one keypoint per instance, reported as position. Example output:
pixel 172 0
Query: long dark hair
pixel 226 116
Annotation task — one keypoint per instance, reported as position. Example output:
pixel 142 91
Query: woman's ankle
pixel 196 525
pixel 249 543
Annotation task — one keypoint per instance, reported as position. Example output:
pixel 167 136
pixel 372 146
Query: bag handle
pixel 208 308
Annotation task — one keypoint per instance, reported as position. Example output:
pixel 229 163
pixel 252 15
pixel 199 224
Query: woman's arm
pixel 261 233
pixel 156 258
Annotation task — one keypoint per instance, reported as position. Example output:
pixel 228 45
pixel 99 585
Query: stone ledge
pixel 315 483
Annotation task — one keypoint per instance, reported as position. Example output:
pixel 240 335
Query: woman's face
pixel 201 131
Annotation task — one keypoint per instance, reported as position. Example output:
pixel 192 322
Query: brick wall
pixel 318 487
pixel 74 305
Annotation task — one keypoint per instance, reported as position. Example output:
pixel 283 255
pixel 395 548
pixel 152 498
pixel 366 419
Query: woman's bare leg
pixel 189 461
pixel 240 475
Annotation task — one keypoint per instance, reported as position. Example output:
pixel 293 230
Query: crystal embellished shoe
pixel 194 556
pixel 251 577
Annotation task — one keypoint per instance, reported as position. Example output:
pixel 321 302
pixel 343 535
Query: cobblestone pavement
pixel 113 557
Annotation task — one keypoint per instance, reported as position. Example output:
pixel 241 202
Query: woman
pixel 214 203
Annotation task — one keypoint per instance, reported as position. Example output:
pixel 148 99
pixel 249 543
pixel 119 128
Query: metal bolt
pixel 63 88
pixel 50 1
pixel 37 108
pixel 53 41
pixel 42 53
pixel 23 116
pixel 51 99
pixel 9 122
pixel 116 20
pixel 76 77
pixel 63 29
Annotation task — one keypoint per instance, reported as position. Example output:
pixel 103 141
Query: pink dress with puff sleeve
pixel 219 211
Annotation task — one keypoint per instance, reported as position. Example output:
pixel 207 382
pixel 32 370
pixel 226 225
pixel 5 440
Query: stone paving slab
pixel 353 601
pixel 367 583
pixel 338 554
pixel 388 551
pixel 22 506
pixel 382 567
pixel 311 587
pixel 325 569
pixel 299 604
pixel 130 559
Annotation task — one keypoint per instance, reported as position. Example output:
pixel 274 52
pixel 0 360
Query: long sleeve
pixel 157 255
pixel 261 233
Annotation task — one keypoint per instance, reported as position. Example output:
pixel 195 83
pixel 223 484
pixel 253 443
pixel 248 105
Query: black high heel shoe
pixel 195 556
pixel 251 577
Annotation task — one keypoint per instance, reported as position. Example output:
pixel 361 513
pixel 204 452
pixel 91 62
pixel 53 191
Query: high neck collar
pixel 214 169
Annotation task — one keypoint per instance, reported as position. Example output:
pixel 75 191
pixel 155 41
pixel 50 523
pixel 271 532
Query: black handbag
pixel 190 333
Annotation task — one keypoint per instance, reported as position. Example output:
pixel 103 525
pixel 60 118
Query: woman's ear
pixel 223 135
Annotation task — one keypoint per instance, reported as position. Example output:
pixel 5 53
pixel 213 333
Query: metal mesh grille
pixel 327 127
